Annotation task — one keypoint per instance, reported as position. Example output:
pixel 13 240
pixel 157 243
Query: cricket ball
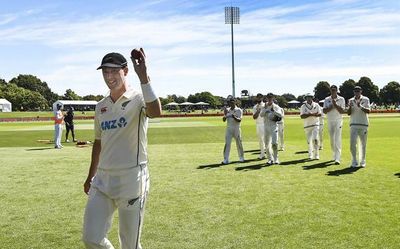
pixel 136 54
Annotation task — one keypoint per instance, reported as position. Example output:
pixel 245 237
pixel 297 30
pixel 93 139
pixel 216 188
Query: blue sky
pixel 280 46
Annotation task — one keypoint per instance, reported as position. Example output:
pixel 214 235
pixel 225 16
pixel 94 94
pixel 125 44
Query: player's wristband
pixel 148 93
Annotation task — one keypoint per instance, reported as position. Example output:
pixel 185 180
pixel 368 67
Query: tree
pixel 32 83
pixel 346 89
pixel 175 98
pixel 390 93
pixel 282 102
pixel 322 90
pixel 24 99
pixel 71 95
pixel 3 83
pixel 164 101
pixel 300 98
pixel 369 89
pixel 289 96
pixel 204 97
pixel 93 97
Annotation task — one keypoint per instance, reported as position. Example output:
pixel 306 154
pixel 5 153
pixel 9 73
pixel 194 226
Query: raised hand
pixel 138 58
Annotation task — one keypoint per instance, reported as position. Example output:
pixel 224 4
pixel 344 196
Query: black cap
pixel 270 95
pixel 357 88
pixel 333 87
pixel 113 60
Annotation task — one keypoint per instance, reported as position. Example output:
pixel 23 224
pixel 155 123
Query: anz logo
pixel 113 124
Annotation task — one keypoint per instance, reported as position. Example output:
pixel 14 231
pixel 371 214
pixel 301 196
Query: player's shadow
pixel 249 151
pixel 47 148
pixel 253 167
pixel 301 152
pixel 217 165
pixel 345 171
pixel 319 165
pixel 397 174
pixel 211 166
pixel 293 162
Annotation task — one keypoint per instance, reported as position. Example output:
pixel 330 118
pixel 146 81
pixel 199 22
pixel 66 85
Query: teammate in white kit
pixel 118 177
pixel 281 131
pixel 232 116
pixel 310 113
pixel 359 107
pixel 334 106
pixel 58 126
pixel 321 131
pixel 259 123
pixel 271 113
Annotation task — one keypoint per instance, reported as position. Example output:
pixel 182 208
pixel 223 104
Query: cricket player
pixel 321 130
pixel 359 107
pixel 259 123
pixel 118 177
pixel 310 113
pixel 334 106
pixel 232 116
pixel 58 126
pixel 281 131
pixel 69 124
pixel 271 113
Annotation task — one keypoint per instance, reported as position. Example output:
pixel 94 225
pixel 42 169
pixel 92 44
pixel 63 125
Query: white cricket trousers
pixel 101 207
pixel 321 135
pixel 260 134
pixel 360 132
pixel 335 133
pixel 271 141
pixel 312 135
pixel 236 134
pixel 57 134
pixel 281 133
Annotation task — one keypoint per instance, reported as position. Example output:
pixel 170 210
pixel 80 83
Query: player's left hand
pixel 140 67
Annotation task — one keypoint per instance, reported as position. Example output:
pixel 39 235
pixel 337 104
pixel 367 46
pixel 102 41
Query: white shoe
pixel 316 157
pixel 225 162
pixel 277 161
pixel 67 140
pixel 270 162
pixel 363 164
pixel 337 162
pixel 354 165
pixel 241 160
pixel 261 157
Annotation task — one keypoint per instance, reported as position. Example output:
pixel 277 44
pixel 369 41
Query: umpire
pixel 69 124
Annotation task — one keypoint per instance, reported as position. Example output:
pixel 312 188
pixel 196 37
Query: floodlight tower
pixel 232 16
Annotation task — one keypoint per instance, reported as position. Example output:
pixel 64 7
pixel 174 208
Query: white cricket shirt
pixel 269 111
pixel 357 116
pixel 334 114
pixel 312 108
pixel 230 122
pixel 259 119
pixel 122 129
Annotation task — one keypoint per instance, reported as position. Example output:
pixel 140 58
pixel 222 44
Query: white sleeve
pixel 325 103
pixel 366 104
pixel 302 110
pixel 239 113
pixel 342 103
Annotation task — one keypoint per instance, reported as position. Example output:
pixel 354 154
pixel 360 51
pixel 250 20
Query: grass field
pixel 197 203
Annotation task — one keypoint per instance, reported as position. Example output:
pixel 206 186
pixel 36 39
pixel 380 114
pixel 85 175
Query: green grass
pixel 196 203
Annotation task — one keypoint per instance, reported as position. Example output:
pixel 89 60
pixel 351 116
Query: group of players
pixel 269 118
pixel 61 118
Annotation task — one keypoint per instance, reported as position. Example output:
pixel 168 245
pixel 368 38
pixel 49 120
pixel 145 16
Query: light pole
pixel 232 16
